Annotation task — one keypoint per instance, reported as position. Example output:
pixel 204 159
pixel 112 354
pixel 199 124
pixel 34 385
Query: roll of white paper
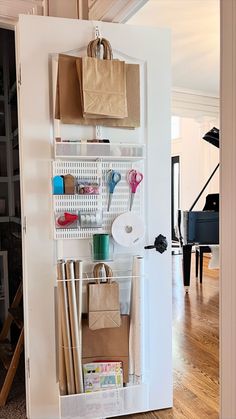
pixel 215 257
pixel 74 326
pixel 128 229
pixel 65 322
pixel 136 322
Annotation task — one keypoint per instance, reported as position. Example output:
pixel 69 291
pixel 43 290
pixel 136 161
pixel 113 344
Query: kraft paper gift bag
pixel 104 88
pixel 107 344
pixel 133 100
pixel 103 83
pixel 68 107
pixel 68 102
pixel 103 301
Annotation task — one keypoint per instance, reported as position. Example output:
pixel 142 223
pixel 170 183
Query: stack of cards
pixel 100 376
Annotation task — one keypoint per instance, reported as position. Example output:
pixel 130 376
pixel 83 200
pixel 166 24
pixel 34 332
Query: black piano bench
pixel 200 250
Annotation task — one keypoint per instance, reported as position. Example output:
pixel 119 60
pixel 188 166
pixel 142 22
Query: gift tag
pixel 69 182
pixel 58 185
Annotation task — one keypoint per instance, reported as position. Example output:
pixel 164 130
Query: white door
pixel 38 40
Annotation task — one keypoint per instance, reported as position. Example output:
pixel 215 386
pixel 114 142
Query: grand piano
pixel 199 227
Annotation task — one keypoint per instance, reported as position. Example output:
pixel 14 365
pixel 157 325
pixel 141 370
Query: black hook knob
pixel 160 244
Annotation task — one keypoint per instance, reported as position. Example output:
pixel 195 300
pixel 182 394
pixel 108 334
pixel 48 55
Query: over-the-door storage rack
pixel 92 161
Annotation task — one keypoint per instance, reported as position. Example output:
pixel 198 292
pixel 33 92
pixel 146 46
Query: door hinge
pixel 24 224
pixel 28 367
pixel 19 75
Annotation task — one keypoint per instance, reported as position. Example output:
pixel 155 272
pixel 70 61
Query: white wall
pixel 198 159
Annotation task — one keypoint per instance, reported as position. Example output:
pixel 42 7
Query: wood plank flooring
pixel 195 349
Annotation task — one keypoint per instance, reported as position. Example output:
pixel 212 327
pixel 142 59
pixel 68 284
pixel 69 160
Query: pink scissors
pixel 134 179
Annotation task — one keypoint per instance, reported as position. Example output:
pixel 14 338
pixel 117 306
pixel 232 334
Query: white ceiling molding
pixel 118 11
pixel 194 104
pixel 10 9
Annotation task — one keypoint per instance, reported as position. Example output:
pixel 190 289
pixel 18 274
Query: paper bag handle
pixel 97 269
pixel 93 46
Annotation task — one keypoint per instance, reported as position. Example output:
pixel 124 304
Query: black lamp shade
pixel 212 137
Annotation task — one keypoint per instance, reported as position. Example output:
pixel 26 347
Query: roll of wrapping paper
pixel 66 337
pixel 61 356
pixel 136 319
pixel 79 295
pixel 74 326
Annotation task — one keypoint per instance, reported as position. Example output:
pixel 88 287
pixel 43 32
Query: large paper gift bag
pixel 103 301
pixel 107 344
pixel 68 101
pixel 68 107
pixel 103 85
pixel 133 101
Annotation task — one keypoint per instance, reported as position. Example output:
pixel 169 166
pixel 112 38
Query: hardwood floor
pixel 195 349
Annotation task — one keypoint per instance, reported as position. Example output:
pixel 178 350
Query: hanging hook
pixel 98 36
pixel 97 32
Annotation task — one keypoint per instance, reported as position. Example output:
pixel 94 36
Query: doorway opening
pixel 12 371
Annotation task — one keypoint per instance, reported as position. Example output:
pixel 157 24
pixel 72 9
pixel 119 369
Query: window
pixel 175 127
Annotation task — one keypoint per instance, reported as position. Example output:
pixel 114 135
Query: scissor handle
pixel 134 179
pixel 113 178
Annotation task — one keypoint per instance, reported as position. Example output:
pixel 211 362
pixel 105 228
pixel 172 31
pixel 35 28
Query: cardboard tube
pixel 66 338
pixel 74 326
pixel 136 326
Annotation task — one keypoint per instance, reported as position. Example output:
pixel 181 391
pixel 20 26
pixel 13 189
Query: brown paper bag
pixel 107 344
pixel 68 97
pixel 104 88
pixel 68 103
pixel 103 301
pixel 133 100
pixel 103 82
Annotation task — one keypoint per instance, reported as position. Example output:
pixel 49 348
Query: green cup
pixel 101 246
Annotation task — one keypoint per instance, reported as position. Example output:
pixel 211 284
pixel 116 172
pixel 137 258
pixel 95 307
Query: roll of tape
pixel 128 229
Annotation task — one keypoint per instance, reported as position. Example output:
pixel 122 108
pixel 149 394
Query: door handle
pixel 160 244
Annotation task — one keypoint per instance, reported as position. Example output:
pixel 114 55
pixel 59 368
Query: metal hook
pixel 97 33
pixel 99 37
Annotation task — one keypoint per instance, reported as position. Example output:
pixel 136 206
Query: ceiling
pixel 195 26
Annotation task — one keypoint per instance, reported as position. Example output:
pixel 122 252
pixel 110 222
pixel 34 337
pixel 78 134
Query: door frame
pixel 12 26
pixel 174 160
pixel 227 215
pixel 228 210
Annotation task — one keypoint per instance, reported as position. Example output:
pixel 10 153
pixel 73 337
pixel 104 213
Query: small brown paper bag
pixel 103 301
pixel 103 83
pixel 104 88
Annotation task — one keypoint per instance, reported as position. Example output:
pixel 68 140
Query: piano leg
pixel 187 252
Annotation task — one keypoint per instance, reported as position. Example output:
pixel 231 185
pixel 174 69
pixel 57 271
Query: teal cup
pixel 101 246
